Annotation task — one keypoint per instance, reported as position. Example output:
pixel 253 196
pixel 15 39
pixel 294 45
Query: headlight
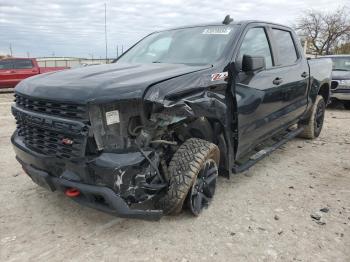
pixel 344 82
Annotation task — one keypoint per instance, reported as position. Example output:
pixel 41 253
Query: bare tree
pixel 324 32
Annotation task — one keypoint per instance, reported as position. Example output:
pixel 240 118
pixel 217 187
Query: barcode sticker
pixel 112 117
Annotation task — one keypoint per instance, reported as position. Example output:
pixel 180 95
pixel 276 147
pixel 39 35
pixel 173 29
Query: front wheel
pixel 313 128
pixel 192 175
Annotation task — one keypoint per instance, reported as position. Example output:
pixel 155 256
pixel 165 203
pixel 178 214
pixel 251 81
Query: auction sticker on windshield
pixel 216 31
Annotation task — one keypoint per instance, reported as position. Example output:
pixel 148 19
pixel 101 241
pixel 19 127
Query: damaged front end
pixel 116 153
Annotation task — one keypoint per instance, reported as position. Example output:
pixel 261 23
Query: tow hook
pixel 72 192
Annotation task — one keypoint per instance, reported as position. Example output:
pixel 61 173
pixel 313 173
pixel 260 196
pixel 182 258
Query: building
pixel 71 62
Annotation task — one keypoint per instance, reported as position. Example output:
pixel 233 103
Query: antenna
pixel 10 47
pixel 106 30
pixel 227 20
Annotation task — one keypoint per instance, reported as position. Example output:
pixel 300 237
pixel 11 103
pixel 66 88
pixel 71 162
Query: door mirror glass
pixel 253 63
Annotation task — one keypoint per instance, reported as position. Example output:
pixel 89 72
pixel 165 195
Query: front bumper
pixel 341 94
pixel 78 175
pixel 340 91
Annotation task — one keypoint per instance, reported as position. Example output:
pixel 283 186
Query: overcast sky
pixel 76 27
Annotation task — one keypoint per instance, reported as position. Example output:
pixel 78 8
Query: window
pixel 255 43
pixel 285 47
pixel 341 63
pixel 6 64
pixel 22 64
pixel 191 46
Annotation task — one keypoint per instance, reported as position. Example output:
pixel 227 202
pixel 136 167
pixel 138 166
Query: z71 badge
pixel 219 76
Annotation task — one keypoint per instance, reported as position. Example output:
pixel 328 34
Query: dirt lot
pixel 260 215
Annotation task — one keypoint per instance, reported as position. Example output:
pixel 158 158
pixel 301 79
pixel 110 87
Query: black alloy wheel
pixel 203 188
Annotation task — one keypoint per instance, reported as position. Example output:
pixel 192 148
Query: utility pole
pixel 117 51
pixel 11 49
pixel 122 49
pixel 92 58
pixel 106 31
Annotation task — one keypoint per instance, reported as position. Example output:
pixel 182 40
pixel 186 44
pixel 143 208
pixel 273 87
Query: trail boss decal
pixel 219 76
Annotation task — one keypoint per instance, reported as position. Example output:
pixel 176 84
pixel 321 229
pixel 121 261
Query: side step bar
pixel 266 151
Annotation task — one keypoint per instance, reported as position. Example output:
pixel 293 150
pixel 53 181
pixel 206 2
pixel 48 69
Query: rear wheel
pixel 346 105
pixel 315 124
pixel 192 175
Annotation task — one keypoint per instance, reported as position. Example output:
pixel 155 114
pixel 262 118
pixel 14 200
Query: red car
pixel 13 70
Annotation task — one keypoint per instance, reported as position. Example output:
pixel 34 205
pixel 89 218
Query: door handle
pixel 277 81
pixel 304 74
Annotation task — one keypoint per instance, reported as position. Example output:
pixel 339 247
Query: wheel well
pixel 324 92
pixel 210 130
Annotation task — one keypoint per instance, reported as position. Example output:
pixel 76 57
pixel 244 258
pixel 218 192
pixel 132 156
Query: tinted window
pixel 255 43
pixel 6 64
pixel 285 47
pixel 22 64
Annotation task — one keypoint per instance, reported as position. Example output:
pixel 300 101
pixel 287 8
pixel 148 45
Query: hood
pixel 102 82
pixel 340 75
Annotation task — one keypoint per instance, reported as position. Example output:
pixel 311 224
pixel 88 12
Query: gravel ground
pixel 263 214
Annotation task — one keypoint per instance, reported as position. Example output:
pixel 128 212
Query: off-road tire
pixel 310 130
pixel 183 169
pixel 346 105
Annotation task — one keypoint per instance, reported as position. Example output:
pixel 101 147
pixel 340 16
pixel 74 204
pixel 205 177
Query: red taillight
pixel 72 192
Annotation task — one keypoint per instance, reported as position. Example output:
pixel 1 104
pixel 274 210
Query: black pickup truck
pixel 149 134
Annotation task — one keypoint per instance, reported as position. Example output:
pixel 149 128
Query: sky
pixel 41 28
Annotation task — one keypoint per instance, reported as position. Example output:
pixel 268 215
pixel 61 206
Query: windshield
pixel 193 46
pixel 341 63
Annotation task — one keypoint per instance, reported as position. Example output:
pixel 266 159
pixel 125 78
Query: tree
pixel 3 56
pixel 343 48
pixel 324 32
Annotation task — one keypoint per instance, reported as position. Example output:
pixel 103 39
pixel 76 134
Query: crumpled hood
pixel 340 75
pixel 101 82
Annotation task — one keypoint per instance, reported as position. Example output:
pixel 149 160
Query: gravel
pixel 240 224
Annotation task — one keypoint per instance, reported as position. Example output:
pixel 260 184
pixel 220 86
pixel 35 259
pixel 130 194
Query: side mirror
pixel 253 63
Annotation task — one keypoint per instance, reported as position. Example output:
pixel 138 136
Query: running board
pixel 266 151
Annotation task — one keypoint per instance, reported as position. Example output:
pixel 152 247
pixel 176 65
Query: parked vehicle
pixel 13 70
pixel 140 137
pixel 340 87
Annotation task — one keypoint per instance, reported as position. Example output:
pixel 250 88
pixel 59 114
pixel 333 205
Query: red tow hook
pixel 72 192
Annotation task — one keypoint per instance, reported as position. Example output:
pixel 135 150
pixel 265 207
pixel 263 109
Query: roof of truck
pixel 239 22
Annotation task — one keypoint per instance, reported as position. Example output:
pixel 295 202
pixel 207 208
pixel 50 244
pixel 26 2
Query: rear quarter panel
pixel 320 75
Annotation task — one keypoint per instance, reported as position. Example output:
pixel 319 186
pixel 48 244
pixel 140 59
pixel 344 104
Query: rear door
pixel 293 71
pixel 24 68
